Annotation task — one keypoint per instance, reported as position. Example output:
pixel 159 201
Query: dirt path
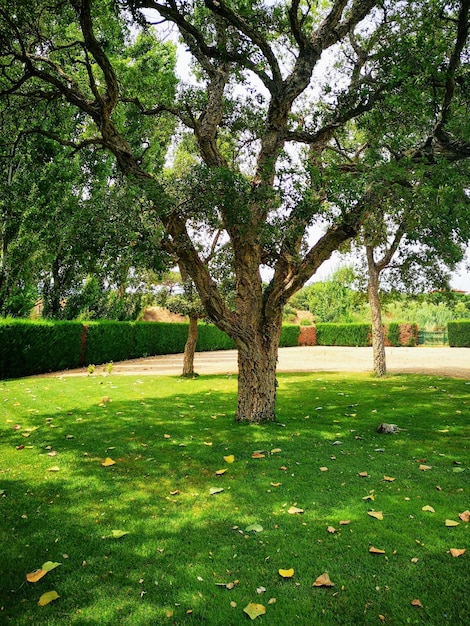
pixel 432 361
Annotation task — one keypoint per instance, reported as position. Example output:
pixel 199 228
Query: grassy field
pixel 200 546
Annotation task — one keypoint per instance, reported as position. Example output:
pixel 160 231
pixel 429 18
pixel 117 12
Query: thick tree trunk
pixel 190 348
pixel 257 361
pixel 378 338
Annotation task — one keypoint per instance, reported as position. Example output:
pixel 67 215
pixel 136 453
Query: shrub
pixel 393 334
pixel 28 348
pixel 289 335
pixel 211 338
pixel 154 338
pixel 343 334
pixel 459 334
pixel 110 341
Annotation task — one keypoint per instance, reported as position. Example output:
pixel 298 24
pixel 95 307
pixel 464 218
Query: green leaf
pixel 254 528
pixel 50 565
pixel 117 534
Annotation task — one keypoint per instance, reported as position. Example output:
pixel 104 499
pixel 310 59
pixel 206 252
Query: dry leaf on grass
pixel 373 550
pixel 257 455
pixel 465 516
pixel 455 552
pixel 47 597
pixel 417 603
pixel 428 508
pixel 254 610
pixel 229 458
pixel 108 462
pixel 377 514
pixel 33 577
pixel 293 510
pixel 323 581
pixel 450 522
pixel 286 573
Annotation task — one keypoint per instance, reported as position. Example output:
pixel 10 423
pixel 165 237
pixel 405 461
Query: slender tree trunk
pixel 190 348
pixel 378 338
pixel 257 361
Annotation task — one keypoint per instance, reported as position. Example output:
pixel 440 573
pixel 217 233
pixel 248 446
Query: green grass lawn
pixel 189 556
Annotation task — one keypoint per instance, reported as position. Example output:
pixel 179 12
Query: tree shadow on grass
pixel 182 540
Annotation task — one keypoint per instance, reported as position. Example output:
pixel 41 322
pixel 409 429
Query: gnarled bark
pixel 257 361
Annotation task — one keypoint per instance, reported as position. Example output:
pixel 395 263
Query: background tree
pixel 256 66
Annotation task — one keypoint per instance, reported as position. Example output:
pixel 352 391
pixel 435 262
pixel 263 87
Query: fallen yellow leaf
pixel 294 509
pixel 254 610
pixel 451 522
pixel 465 516
pixel 323 581
pixel 344 522
pixel 363 474
pixel 323 469
pixel 457 551
pixel 331 529
pixel 388 479
pixel 221 471
pixel 428 508
pixel 425 467
pixel 54 468
pixel 373 550
pixel 276 484
pixel 33 577
pixel 108 462
pixel 207 443
pixel 286 573
pixel 47 597
pixel 417 603
pixel 377 514
pixel 229 458
pixel 274 450
pixel 257 455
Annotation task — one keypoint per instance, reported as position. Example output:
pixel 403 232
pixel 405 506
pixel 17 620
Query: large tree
pixel 259 93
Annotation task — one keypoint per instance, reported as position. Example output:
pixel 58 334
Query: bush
pixel 28 348
pixel 393 334
pixel 36 347
pixel 110 341
pixel 459 334
pixel 154 338
pixel 289 336
pixel 343 334
pixel 211 338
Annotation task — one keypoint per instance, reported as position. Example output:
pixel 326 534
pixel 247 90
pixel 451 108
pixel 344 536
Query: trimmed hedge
pixel 28 348
pixel 343 334
pixel 459 334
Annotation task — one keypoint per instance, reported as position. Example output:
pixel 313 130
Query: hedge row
pixel 459 333
pixel 28 348
pixel 343 334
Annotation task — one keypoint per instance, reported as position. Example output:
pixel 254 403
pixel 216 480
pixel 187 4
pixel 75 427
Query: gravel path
pixel 442 361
